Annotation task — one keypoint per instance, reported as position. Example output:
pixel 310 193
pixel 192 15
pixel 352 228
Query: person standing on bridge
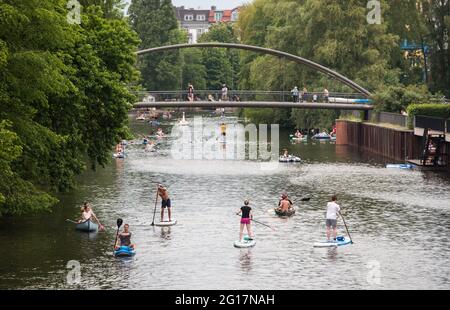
pixel 190 92
pixel 304 95
pixel 295 93
pixel 224 92
pixel 326 95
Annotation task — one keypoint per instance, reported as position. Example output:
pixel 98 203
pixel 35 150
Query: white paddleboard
pixel 328 244
pixel 245 243
pixel 166 223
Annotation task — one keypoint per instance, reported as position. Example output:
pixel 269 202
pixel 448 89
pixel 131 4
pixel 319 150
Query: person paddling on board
pixel 331 218
pixel 124 238
pixel 165 203
pixel 246 218
pixel 88 214
pixel 223 129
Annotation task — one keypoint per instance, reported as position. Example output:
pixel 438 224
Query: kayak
pixel 87 226
pixel 289 212
pixel 166 223
pixel 340 241
pixel 245 243
pixel 124 251
pixel 289 159
pixel 400 166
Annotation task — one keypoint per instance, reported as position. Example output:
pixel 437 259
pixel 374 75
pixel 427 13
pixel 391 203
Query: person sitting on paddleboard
pixel 298 134
pixel 124 238
pixel 285 203
pixel 88 214
pixel 285 153
pixel 246 218
pixel 331 218
pixel 164 194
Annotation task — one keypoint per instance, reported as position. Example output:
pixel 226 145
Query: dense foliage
pixel 63 96
pixel 156 24
pixel 429 109
pixel 336 34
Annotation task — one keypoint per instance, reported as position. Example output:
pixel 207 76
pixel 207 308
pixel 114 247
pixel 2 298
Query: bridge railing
pixel 388 118
pixel 247 95
pixel 433 123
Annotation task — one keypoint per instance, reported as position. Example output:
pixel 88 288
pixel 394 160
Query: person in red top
pixel 246 218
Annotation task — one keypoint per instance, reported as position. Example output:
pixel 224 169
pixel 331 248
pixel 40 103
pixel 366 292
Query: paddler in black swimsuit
pixel 125 238
pixel 246 218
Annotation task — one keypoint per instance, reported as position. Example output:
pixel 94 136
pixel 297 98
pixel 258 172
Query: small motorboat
pixel 298 139
pixel 322 136
pixel 87 226
pixel 183 121
pixel 289 159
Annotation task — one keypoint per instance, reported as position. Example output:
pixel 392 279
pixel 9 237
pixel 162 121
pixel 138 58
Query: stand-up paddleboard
pixel 400 166
pixel 340 241
pixel 246 243
pixel 166 223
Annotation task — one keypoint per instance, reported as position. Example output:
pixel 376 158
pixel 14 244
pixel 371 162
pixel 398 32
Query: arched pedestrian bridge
pixel 358 105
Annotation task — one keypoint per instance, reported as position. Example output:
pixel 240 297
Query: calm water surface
pixel 399 221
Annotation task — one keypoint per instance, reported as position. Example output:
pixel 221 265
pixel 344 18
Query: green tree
pixel 156 24
pixel 63 94
pixel 437 17
pixel 230 62
pixel 194 70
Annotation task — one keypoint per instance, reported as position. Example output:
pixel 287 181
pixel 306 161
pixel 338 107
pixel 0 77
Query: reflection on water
pixel 398 219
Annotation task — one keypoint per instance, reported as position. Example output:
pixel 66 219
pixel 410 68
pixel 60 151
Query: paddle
pixel 351 241
pixel 154 211
pixel 261 223
pixel 67 220
pixel 264 224
pixel 119 223
pixel 102 227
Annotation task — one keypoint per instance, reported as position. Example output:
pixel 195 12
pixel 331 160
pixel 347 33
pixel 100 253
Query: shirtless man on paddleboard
pixel 165 203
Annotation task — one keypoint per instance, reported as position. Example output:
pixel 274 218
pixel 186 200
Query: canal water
pixel 399 221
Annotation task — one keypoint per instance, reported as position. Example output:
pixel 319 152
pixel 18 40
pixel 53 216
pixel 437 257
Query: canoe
pixel 290 212
pixel 166 223
pixel 340 241
pixel 246 243
pixel 87 226
pixel 124 251
pixel 289 159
